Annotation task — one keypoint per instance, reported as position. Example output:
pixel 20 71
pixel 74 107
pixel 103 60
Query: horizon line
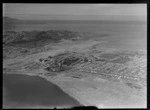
pixel 107 20
pixel 73 14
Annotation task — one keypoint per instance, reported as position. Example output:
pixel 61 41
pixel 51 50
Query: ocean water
pixel 24 91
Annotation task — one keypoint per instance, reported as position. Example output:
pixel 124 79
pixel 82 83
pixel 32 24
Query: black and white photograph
pixel 66 55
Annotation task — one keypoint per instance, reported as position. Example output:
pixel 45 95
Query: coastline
pixel 63 88
pixel 71 94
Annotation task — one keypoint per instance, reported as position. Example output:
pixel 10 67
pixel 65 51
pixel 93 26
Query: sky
pixel 75 11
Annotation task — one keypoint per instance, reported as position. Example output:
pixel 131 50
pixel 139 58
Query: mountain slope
pixel 11 20
pixel 30 42
pixel 10 23
pixel 12 37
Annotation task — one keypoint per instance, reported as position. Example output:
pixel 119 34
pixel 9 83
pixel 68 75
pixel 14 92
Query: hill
pixel 10 23
pixel 28 42
pixel 25 37
pixel 11 20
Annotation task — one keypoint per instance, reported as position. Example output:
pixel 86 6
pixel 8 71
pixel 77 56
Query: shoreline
pixel 65 90
pixel 57 84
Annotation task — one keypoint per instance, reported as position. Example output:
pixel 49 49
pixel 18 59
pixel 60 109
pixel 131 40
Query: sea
pixel 24 91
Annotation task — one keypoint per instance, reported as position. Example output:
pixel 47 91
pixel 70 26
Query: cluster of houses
pixel 134 69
